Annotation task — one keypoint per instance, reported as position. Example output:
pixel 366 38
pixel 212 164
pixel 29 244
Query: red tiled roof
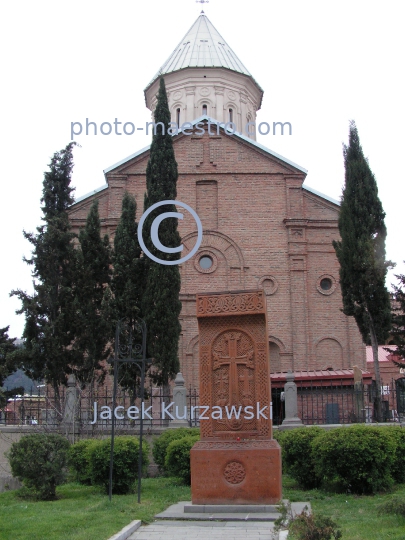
pixel 319 377
pixel 383 355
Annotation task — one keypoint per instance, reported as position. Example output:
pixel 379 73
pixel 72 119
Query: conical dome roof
pixel 202 46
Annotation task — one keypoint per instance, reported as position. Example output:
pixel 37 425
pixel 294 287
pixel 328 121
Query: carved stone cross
pixel 246 378
pixel 232 360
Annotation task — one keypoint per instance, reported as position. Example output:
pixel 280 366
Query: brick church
pixel 262 227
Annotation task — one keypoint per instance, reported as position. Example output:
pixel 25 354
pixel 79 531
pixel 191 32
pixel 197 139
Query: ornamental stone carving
pixel 236 461
pixel 234 472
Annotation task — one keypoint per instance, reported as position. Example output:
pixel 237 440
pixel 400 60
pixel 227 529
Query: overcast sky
pixel 320 65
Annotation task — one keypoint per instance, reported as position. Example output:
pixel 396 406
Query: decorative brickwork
pixel 265 231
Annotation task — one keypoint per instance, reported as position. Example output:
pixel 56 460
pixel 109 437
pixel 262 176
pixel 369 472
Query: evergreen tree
pixel 7 346
pixel 7 366
pixel 92 304
pixel 361 253
pixel 48 312
pixel 160 302
pixel 398 320
pixel 127 282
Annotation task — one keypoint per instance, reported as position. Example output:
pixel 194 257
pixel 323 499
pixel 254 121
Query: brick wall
pixel 261 229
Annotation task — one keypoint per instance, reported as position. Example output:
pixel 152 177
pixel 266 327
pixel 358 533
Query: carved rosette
pixel 234 472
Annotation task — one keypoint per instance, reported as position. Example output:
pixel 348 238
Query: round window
pixel 206 262
pixel 326 284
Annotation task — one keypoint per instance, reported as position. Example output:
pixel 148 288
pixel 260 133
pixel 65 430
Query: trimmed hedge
pixel 40 462
pixel 398 467
pixel 359 458
pixel 298 459
pixel 125 470
pixel 79 460
pixel 162 442
pixel 177 460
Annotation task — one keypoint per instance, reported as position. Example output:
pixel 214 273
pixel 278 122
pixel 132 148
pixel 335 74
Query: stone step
pixel 230 508
pixel 184 510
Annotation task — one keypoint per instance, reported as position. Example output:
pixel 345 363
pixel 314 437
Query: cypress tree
pixel 398 320
pixel 92 304
pixel 127 282
pixel 160 302
pixel 48 311
pixel 7 347
pixel 7 365
pixel 361 253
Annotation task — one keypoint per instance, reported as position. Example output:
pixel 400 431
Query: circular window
pixel 206 262
pixel 326 284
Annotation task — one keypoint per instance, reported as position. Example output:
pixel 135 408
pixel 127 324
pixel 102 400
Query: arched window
pixel 231 115
pixel 205 110
pixel 178 117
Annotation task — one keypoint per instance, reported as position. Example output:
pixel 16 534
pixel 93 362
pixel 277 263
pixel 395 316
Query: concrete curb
pixel 127 531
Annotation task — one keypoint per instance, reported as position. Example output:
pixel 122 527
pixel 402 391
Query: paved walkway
pixel 204 530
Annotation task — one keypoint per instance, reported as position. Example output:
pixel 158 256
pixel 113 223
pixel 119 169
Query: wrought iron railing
pixel 318 403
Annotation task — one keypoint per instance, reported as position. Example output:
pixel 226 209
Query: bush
pixel 177 461
pixel 298 460
pixel 39 461
pixel 278 435
pixel 396 505
pixel 398 467
pixel 79 460
pixel 314 527
pixel 162 442
pixel 358 457
pixel 125 470
pixel 306 526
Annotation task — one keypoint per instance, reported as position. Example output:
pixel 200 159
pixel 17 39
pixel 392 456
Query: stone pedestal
pixel 291 403
pixel 69 421
pixel 243 472
pixel 180 403
pixel 236 461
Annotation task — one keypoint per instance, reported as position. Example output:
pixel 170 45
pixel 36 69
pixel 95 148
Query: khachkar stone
pixel 236 461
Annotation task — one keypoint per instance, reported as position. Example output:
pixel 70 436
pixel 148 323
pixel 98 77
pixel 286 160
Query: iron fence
pixel 318 403
pixel 38 406
pixel 93 408
pixel 323 403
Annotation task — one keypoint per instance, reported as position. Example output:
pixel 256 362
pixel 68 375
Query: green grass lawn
pixel 357 516
pixel 83 513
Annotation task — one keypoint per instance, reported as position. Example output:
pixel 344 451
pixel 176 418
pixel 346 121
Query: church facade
pixel 262 228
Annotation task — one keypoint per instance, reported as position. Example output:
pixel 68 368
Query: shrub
pixel 39 461
pixel 125 470
pixel 398 467
pixel 278 435
pixel 298 460
pixel 358 457
pixel 162 442
pixel 79 460
pixel 395 505
pixel 306 526
pixel 177 461
pixel 314 527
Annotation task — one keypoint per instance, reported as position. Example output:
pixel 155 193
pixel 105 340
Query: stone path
pixel 204 530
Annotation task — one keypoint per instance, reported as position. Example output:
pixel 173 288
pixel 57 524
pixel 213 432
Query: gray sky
pixel 320 65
